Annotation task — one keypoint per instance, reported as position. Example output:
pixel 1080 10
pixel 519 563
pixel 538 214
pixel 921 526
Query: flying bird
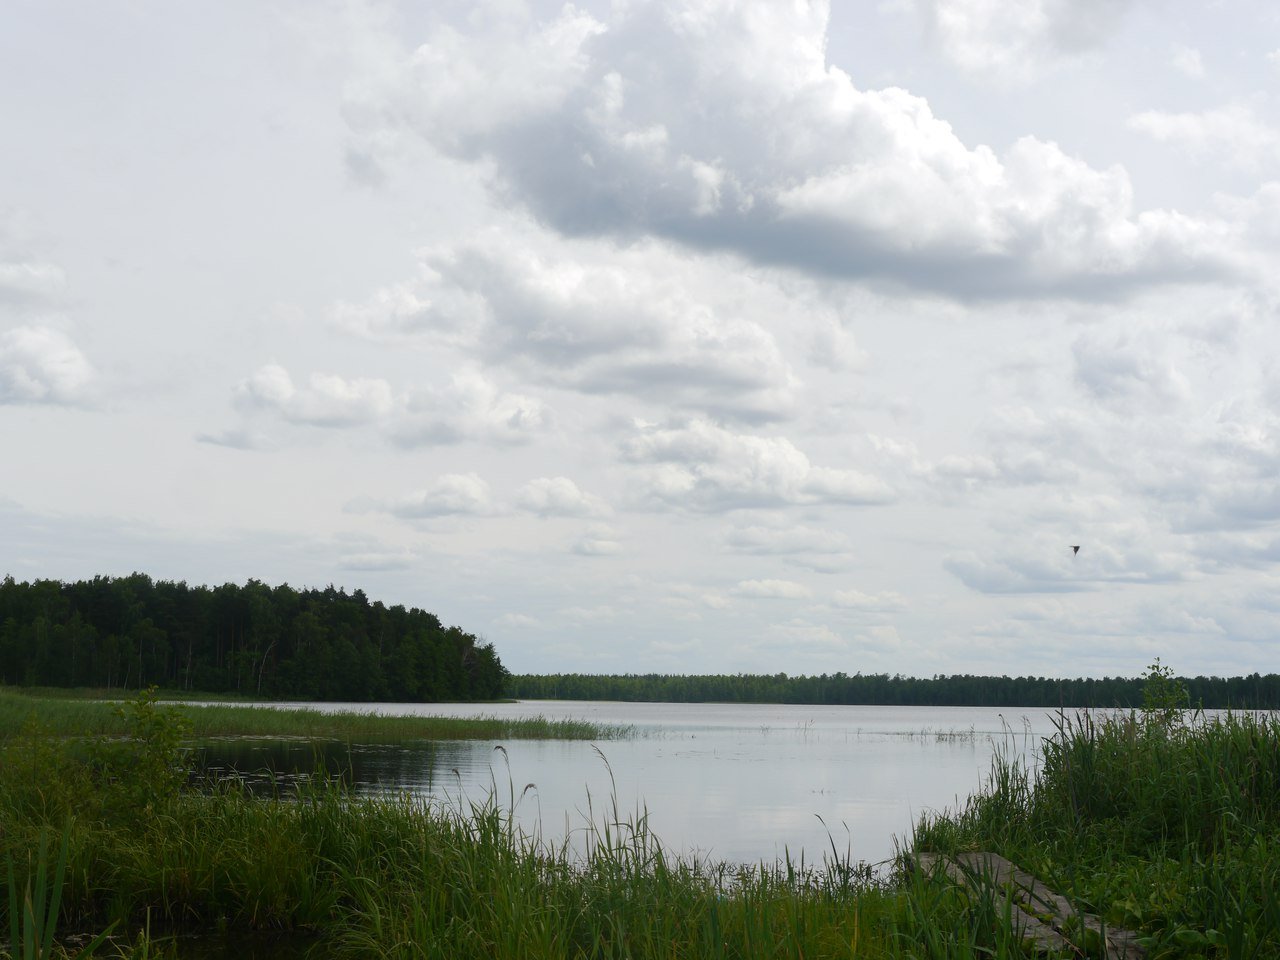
pixel 1075 548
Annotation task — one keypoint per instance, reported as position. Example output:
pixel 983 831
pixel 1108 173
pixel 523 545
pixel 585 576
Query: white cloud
pixel 1018 41
pixel 327 400
pixel 42 365
pixel 1233 133
pixel 469 407
pixel 1187 60
pixel 1115 367
pixel 786 539
pixel 652 124
pixel 517 620
pixel 558 497
pixel 644 321
pixel 771 590
pixel 869 602
pixel 23 281
pixel 378 560
pixel 598 541
pixel 452 494
pixel 702 466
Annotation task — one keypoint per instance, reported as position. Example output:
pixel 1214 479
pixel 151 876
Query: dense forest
pixel 1252 692
pixel 271 642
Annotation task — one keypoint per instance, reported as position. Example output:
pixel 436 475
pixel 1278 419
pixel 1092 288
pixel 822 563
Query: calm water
pixel 737 782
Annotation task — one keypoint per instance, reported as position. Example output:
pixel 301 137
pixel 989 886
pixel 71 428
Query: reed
pixel 74 717
pixel 1165 821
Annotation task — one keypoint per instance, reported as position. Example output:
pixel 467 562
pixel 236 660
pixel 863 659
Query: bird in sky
pixel 1075 548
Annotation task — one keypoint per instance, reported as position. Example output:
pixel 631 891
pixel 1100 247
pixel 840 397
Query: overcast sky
pixel 704 336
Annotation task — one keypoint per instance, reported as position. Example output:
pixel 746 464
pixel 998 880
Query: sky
pixel 680 336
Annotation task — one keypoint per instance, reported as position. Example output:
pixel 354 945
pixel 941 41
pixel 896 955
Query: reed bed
pixel 74 717
pixel 1167 822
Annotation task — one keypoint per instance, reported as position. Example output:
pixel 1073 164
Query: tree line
pixel 271 642
pixel 1252 692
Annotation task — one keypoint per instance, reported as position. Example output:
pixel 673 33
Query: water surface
pixel 738 782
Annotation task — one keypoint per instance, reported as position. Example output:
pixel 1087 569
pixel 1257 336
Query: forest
pixel 1251 692
pixel 255 640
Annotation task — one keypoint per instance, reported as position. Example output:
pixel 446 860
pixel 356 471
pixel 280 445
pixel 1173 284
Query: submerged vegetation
pixel 1158 819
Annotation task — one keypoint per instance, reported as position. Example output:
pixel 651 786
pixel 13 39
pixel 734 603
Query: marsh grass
pixel 75 717
pixel 1164 821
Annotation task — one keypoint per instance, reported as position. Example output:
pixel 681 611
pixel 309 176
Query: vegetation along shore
pixel 279 643
pixel 1161 820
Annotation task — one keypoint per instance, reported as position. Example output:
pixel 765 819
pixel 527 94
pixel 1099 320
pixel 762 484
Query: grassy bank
pixel 1164 822
pixel 75 716
pixel 1156 820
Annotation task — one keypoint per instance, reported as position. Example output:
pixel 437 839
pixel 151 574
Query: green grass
pixel 75 717
pixel 1163 822
pixel 1154 821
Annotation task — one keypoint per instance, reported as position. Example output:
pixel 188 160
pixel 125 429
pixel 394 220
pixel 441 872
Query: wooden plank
pixel 1033 901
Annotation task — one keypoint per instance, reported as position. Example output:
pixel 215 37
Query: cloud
pixel 27 281
pixel 702 466
pixel 42 365
pixel 517 620
pixel 781 540
pixel 643 322
pixel 1114 366
pixel 1187 61
pixel 869 602
pixel 598 541
pixel 650 125
pixel 1233 133
pixel 469 407
pixel 771 590
pixel 378 560
pixel 1048 567
pixel 451 494
pixel 1018 41
pixel 327 400
pixel 558 497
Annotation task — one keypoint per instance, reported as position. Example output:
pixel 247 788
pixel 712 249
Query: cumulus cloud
pixel 598 541
pixel 1116 367
pixel 24 281
pixel 469 407
pixel 326 401
pixel 558 497
pixel 42 365
pixel 643 322
pixel 452 494
pixel 702 466
pixel 1019 40
pixel 771 590
pixel 650 124
pixel 1234 134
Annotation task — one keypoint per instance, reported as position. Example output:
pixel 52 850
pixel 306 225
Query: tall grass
pixel 1165 822
pixel 88 717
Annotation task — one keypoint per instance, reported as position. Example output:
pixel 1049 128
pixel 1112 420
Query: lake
pixel 742 783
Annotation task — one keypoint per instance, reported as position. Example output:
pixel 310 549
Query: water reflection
pixel 726 782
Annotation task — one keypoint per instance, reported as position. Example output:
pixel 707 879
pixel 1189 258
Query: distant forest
pixel 1251 692
pixel 271 642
